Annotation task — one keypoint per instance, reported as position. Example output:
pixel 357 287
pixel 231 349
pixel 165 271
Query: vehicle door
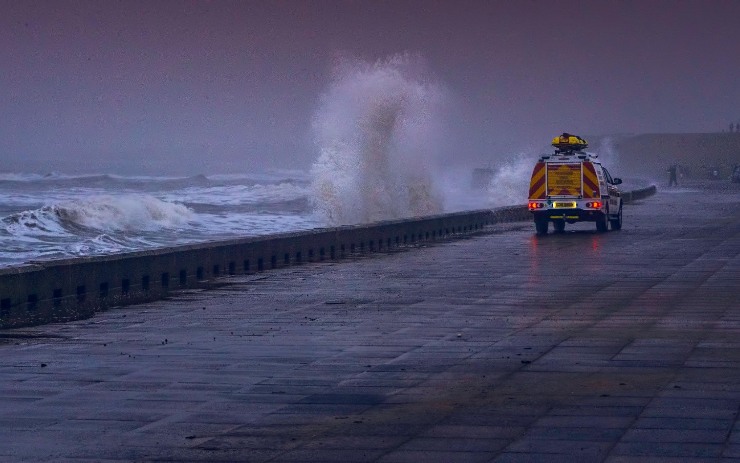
pixel 614 193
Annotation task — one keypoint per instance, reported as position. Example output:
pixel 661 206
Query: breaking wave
pixel 100 213
pixel 60 215
pixel 376 129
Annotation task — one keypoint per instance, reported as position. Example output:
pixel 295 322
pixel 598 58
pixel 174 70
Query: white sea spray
pixel 376 131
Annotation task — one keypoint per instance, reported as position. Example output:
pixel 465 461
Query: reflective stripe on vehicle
pixel 590 181
pixel 537 184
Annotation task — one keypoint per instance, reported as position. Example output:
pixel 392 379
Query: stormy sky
pixel 203 86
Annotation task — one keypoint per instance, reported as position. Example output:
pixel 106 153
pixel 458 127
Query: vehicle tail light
pixel 594 205
pixel 535 205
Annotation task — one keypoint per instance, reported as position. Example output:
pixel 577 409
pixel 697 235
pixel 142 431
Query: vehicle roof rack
pixel 568 144
pixel 567 154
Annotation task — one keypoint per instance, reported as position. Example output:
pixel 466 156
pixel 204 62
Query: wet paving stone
pixel 616 347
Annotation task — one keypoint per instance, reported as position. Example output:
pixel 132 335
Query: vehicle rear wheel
pixel 558 226
pixel 602 223
pixel 541 226
pixel 617 223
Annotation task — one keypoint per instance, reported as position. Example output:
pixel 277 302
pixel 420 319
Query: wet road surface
pixel 504 346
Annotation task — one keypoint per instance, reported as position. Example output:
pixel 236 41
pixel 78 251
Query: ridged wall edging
pixel 70 289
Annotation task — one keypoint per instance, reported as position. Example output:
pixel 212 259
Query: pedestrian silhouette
pixel 672 181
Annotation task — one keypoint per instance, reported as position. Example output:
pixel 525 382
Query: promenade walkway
pixel 501 347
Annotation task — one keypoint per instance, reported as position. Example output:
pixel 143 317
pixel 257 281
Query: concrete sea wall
pixel 69 289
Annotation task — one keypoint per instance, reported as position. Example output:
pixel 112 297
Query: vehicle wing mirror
pixel 617 181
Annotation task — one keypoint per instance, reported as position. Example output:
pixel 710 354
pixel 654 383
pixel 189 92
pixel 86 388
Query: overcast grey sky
pixel 113 82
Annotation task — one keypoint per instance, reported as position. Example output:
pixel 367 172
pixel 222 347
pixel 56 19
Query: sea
pixel 56 215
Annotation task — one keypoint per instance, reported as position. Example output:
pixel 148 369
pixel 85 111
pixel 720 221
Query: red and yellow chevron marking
pixel 590 181
pixel 537 184
pixel 564 179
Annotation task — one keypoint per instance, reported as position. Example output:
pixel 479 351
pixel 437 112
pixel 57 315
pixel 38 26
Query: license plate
pixel 560 205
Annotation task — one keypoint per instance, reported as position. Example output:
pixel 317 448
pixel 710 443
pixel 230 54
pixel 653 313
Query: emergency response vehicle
pixel 572 186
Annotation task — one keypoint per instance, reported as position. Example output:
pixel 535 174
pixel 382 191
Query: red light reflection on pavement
pixel 534 277
pixel 596 243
